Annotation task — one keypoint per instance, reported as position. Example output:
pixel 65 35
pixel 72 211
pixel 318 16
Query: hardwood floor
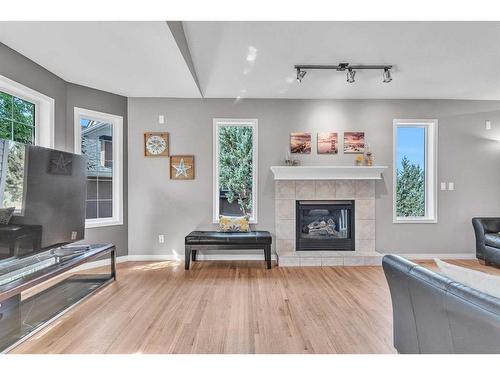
pixel 229 307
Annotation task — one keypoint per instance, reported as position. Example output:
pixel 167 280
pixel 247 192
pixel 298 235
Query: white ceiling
pixel 451 60
pixel 126 58
pixel 432 60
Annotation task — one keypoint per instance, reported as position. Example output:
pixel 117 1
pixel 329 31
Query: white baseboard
pixel 155 257
pixel 439 256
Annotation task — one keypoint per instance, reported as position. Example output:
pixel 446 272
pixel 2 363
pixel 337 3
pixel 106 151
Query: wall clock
pixel 156 144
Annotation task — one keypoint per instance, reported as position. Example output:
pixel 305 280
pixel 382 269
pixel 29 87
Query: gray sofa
pixel 487 234
pixel 433 314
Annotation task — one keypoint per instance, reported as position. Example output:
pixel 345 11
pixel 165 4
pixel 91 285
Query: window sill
pixel 414 221
pixel 96 223
pixel 251 221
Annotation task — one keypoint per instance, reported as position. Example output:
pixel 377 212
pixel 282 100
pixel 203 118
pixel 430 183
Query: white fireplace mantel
pixel 328 172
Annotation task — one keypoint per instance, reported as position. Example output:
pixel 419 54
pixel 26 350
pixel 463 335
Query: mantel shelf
pixel 328 172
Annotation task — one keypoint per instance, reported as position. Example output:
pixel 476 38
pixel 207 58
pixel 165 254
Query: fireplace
pixel 325 225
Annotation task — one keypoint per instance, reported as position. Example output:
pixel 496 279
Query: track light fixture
pixel 300 75
pixel 387 75
pixel 350 75
pixel 345 67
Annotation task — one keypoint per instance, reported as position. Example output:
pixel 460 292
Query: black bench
pixel 210 240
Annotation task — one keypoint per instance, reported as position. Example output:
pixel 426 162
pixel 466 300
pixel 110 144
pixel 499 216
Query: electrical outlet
pixel 487 125
pixel 161 119
pixel 451 186
pixel 443 185
pixel 161 238
pixel 73 235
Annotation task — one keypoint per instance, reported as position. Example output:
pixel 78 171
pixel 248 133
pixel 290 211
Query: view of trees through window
pixel 17 119
pixel 235 170
pixel 410 173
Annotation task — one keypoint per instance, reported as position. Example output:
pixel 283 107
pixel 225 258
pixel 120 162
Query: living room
pixel 249 187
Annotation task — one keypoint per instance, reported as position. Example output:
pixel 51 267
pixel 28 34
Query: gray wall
pixel 467 156
pixel 67 96
pixel 96 100
pixel 18 68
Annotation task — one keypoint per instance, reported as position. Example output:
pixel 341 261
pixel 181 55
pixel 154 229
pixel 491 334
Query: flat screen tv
pixel 45 190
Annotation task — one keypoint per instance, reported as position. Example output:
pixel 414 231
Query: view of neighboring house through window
pixel 414 174
pixel 97 145
pixel 17 119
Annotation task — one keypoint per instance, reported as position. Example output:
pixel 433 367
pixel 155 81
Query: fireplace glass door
pixel 325 225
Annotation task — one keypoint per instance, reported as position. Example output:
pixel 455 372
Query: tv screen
pixel 45 191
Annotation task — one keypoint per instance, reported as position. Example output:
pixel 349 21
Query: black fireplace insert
pixel 325 225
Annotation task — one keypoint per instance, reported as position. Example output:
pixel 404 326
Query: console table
pixel 21 318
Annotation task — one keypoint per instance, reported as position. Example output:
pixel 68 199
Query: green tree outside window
pixel 410 190
pixel 235 165
pixel 17 119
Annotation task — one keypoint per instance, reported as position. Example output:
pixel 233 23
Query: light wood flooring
pixel 229 307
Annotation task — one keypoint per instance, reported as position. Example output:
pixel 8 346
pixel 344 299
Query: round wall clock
pixel 156 144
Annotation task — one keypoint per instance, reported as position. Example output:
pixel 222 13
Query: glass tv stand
pixel 28 302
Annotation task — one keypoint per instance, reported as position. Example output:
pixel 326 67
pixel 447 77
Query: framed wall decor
pixel 182 167
pixel 156 144
pixel 300 143
pixel 327 143
pixel 354 142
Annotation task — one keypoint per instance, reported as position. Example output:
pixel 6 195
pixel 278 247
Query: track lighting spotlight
pixel 387 75
pixel 350 75
pixel 345 67
pixel 300 75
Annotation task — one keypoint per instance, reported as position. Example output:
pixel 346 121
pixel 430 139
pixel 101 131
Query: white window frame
pixel 117 123
pixel 431 166
pixel 217 124
pixel 44 109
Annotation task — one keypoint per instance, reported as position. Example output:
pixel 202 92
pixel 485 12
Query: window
pixel 12 175
pixel 235 168
pixel 99 137
pixel 17 119
pixel 26 116
pixel 415 171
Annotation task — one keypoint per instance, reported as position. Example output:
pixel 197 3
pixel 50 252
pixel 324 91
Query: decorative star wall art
pixel 60 163
pixel 182 167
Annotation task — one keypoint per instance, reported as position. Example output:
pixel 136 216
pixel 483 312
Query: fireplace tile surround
pixel 287 192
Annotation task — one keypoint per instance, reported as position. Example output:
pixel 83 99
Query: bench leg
pixel 267 256
pixel 193 255
pixel 187 256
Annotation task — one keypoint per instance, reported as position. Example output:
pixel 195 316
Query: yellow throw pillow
pixel 234 223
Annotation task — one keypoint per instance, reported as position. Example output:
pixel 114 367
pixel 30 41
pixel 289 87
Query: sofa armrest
pixel 483 225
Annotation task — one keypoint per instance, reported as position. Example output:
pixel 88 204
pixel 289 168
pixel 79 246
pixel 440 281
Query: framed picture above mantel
pixel 354 142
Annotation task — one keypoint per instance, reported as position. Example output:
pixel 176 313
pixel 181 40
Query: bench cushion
pixel 220 238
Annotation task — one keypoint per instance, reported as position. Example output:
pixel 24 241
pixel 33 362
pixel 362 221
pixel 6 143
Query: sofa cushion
pixel 483 282
pixel 492 239
pixel 6 215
